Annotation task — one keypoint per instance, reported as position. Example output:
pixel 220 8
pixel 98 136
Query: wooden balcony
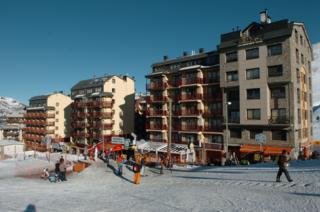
pixel 157 86
pixel 81 104
pixel 158 126
pixel 197 128
pixel 100 104
pixel 279 120
pixel 191 81
pixel 191 97
pixel 157 113
pixel 190 112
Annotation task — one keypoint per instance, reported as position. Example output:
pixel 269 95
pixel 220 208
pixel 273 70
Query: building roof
pixel 263 31
pixel 41 97
pixel 9 142
pixel 95 82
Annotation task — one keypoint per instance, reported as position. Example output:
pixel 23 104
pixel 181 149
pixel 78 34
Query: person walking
pixel 137 174
pixel 120 164
pixel 283 163
pixel 62 169
pixel 142 162
pixel 161 165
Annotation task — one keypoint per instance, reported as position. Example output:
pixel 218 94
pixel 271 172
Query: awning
pixel 162 147
pixel 266 150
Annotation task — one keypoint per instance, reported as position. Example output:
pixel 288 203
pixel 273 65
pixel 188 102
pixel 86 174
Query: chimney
pixel 165 57
pixel 264 17
pixel 201 50
pixel 185 53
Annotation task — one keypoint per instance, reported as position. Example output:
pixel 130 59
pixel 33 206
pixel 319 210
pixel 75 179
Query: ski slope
pixel 244 188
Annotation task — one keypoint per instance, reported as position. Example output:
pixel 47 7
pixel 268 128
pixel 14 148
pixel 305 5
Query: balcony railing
pixel 234 119
pixel 158 98
pixel 217 146
pixel 184 97
pixel 157 113
pixel 173 83
pixel 191 112
pixel 212 112
pixel 213 128
pixel 211 80
pixel 190 81
pixel 191 128
pixel 156 126
pixel 35 115
pixel 157 86
pixel 278 120
pixel 80 125
pixel 212 97
pixel 78 105
pixel 100 104
pixel 163 140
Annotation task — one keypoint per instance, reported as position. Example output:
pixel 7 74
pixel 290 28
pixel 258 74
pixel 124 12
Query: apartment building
pixel 102 107
pixel 265 76
pixel 190 84
pixel 47 118
pixel 257 82
pixel 12 127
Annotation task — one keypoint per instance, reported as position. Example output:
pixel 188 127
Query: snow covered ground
pixel 244 188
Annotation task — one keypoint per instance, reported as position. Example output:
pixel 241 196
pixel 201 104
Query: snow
pixel 10 107
pixel 243 188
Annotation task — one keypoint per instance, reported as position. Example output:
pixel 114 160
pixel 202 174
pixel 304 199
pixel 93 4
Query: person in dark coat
pixel 137 174
pixel 283 163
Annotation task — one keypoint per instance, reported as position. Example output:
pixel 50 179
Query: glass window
pixel 253 93
pixel 253 73
pixel 279 92
pixel 274 71
pixel 297 56
pixel 275 50
pixel 113 81
pixel 299 116
pixel 252 53
pixel 113 90
pixel 253 133
pixel 253 114
pixel 302 59
pixel 296 35
pixel 298 75
pixel 231 57
pixel 279 135
pixel 235 133
pixel 298 95
pixel 232 76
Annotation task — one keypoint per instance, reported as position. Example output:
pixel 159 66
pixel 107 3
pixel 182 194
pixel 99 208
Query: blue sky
pixel 48 46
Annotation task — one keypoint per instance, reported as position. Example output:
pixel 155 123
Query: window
pixel 275 50
pixel 57 120
pixel 252 53
pixel 279 135
pixel 296 35
pixel 279 113
pixel 215 139
pixel 279 92
pixel 301 40
pixel 299 116
pixel 302 59
pixel 57 112
pixel 89 91
pixel 57 104
pixel 298 95
pixel 275 71
pixel 231 57
pixel 99 89
pixel 253 93
pixel 253 73
pixel 113 90
pixel 298 75
pixel 236 133
pixel 253 114
pixel 232 76
pixel 253 133
pixel 57 128
pixel 297 56
pixel 113 81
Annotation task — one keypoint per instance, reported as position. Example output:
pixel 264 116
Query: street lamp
pixel 227 131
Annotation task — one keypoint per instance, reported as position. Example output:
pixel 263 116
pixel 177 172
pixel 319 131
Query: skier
pixel 283 163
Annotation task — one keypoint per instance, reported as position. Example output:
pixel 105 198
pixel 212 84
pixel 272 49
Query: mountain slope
pixel 10 106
